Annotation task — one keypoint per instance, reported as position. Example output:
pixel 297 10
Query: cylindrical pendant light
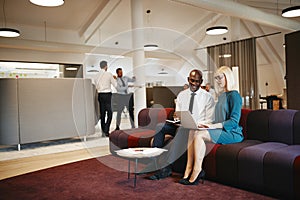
pixel 48 3
pixel 291 12
pixel 150 47
pixel 9 32
pixel 216 30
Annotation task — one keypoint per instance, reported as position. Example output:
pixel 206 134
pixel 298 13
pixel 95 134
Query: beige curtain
pixel 243 56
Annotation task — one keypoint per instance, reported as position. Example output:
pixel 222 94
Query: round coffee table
pixel 139 153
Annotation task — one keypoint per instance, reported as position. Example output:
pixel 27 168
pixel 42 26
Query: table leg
pixel 128 169
pixel 135 171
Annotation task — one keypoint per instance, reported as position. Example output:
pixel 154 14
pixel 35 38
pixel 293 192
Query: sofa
pixel 267 161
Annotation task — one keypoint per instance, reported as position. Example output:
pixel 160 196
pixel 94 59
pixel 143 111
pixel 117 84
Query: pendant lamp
pixel 48 3
pixel 7 32
pixel 150 47
pixel 293 11
pixel 216 30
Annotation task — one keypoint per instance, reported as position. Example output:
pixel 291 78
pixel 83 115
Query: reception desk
pixel 34 110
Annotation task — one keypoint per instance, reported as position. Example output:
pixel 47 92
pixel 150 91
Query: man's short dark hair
pixel 118 69
pixel 103 64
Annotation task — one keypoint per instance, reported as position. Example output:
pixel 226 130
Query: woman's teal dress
pixel 228 112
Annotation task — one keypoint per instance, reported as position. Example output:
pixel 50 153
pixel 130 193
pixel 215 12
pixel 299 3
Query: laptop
pixel 187 121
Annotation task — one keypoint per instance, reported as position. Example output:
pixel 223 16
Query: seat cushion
pixel 250 165
pixel 209 162
pixel 281 126
pixel 227 161
pixel 282 172
pixel 258 125
pixel 135 137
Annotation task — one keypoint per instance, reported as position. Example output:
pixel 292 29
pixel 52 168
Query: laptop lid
pixel 187 120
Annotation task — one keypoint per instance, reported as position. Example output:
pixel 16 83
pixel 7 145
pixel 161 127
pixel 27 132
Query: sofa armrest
pixel 148 118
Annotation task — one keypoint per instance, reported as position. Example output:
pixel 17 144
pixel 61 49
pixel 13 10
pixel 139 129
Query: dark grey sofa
pixel 267 161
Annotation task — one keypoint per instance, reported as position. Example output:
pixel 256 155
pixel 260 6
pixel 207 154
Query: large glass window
pixel 39 70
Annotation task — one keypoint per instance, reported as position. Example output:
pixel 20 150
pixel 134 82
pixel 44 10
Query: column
pixel 138 56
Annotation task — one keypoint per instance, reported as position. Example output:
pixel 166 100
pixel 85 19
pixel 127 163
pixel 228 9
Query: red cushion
pixel 140 138
pixel 243 120
pixel 209 162
pixel 148 118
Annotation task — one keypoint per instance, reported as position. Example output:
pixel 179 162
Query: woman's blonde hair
pixel 230 84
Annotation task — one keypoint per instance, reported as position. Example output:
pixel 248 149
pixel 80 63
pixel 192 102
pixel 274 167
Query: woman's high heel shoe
pixel 196 182
pixel 183 180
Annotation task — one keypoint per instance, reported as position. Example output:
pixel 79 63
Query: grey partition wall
pixel 49 109
pixel 9 123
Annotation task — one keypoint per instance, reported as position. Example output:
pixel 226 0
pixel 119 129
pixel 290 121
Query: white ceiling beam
pixel 104 10
pixel 57 47
pixel 260 48
pixel 12 43
pixel 238 10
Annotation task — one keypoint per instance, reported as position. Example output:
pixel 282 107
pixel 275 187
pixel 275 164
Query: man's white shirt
pixel 103 81
pixel 204 105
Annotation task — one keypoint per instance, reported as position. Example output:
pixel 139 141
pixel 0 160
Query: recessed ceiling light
pixel 216 30
pixel 48 3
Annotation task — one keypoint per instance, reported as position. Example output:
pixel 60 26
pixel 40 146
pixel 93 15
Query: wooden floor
pixel 20 166
pixel 14 167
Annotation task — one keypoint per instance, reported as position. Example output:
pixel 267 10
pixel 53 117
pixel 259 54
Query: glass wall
pixel 39 70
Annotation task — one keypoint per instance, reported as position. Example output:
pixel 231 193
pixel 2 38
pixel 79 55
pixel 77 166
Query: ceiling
pixel 178 26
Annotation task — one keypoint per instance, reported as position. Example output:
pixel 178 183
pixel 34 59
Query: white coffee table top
pixel 140 152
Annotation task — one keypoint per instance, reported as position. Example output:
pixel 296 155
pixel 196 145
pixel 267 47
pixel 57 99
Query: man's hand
pixel 176 116
pixel 203 126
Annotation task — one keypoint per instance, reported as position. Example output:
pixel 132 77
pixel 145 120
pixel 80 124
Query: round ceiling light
pixel 47 3
pixel 216 30
pixel 9 32
pixel 150 47
pixel 291 12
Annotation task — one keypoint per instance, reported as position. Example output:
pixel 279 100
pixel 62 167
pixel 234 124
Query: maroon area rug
pixel 106 178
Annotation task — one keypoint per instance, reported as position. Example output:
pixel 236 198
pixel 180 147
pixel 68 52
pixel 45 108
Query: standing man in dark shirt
pixel 103 81
pixel 124 98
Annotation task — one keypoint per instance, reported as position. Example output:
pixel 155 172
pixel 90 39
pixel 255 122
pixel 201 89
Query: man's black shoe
pixel 117 128
pixel 163 173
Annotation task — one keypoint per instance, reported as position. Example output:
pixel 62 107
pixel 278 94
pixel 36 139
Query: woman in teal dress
pixel 224 130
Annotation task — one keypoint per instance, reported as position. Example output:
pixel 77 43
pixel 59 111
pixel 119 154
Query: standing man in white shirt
pixel 103 81
pixel 124 98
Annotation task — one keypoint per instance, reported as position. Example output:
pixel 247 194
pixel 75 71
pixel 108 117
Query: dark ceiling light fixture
pixel 293 11
pixel 48 3
pixel 162 72
pixel 8 32
pixel 150 47
pixel 216 30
